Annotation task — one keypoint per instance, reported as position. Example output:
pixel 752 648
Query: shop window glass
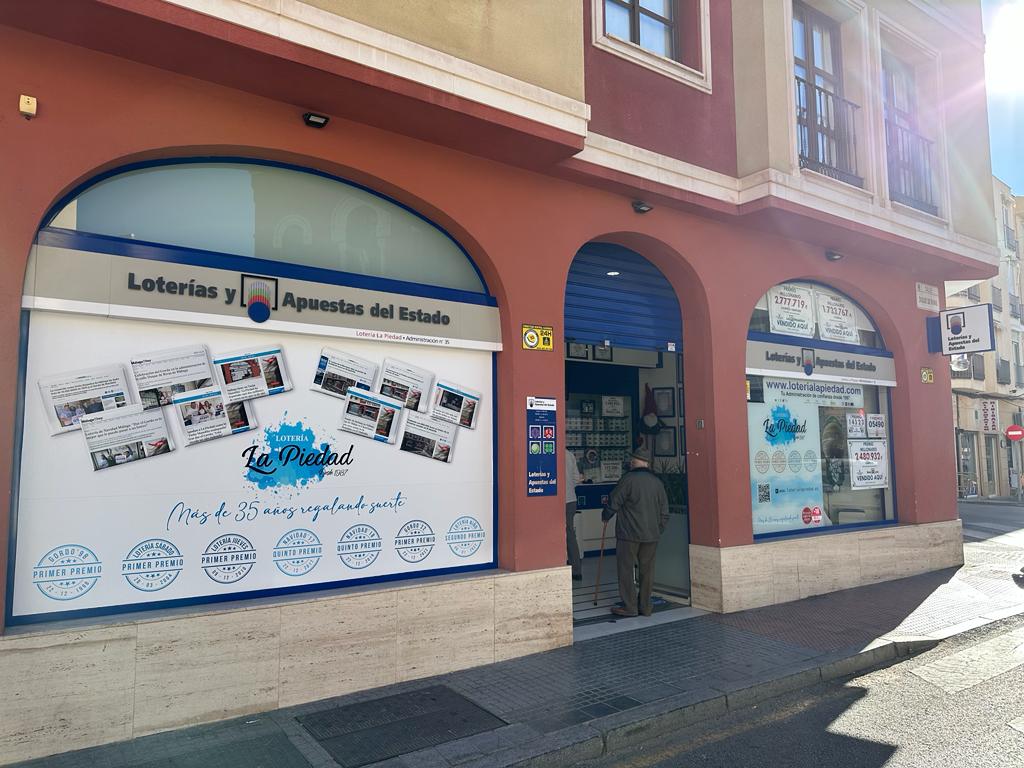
pixel 272 213
pixel 819 429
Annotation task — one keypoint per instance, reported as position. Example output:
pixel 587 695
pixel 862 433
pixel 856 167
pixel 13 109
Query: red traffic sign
pixel 1015 432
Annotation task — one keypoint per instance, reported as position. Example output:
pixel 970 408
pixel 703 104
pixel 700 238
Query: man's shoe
pixel 618 611
pixel 648 612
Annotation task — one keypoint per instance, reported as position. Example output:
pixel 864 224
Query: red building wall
pixel 522 228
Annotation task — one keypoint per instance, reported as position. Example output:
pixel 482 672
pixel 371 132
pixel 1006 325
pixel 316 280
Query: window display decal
pixel 221 518
pixel 837 320
pixel 336 371
pixel 785 476
pixel 791 310
pixel 406 383
pixel 162 375
pixel 819 392
pixel 125 435
pixel 247 374
pixel 856 425
pixel 541 455
pixel 68 397
pixel 875 425
pixel 424 436
pixel 373 416
pixel 205 415
pixel 456 404
pixel 869 464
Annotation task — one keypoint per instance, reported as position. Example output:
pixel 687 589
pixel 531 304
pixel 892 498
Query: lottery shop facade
pixel 65 249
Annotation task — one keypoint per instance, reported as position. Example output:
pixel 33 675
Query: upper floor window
pixel 909 153
pixel 647 23
pixel 825 120
pixel 671 37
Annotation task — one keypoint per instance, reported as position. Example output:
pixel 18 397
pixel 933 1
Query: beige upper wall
pixel 538 41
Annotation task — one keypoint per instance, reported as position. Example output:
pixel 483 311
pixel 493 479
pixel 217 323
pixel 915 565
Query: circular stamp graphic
pixel 297 552
pixel 152 565
pixel 67 572
pixel 229 558
pixel 531 338
pixel 810 461
pixel 415 540
pixel 779 462
pixel 806 515
pixel 465 537
pixel 359 546
pixel 795 461
pixel 761 462
pixel 816 515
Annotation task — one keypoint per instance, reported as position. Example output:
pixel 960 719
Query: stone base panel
pixel 68 689
pixel 771 572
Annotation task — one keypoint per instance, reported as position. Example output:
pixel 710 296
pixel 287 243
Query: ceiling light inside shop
pixel 613 273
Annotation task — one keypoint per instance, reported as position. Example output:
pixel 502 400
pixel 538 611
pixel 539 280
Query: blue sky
pixel 1004 76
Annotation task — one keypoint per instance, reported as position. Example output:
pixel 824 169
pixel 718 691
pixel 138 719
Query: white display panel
pixel 203 520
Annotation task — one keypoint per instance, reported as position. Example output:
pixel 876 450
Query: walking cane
pixel 600 560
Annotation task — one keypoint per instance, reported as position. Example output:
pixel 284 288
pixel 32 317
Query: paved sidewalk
pixel 603 694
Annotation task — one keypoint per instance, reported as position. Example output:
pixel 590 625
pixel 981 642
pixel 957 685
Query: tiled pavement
pixel 581 694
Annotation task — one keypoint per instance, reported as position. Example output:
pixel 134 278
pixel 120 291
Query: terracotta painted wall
pixel 650 110
pixel 522 228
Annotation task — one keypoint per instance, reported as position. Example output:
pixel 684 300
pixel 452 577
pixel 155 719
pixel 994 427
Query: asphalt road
pixel 960 704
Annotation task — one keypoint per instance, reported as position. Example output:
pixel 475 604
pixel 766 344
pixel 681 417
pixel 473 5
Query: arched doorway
pixel 624 391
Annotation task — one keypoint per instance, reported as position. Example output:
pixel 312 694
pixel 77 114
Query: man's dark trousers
pixel 626 554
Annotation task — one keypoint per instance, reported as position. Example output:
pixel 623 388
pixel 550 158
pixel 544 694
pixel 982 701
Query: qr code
pixel 764 493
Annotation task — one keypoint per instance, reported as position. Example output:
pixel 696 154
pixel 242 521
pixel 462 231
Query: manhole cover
pixel 370 731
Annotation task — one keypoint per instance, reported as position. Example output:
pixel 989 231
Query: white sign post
pixel 967 329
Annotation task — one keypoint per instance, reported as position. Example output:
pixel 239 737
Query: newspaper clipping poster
pixel 125 435
pixel 162 375
pixel 337 371
pixel 204 415
pixel 456 404
pixel 70 396
pixel 406 383
pixel 428 437
pixel 250 373
pixel 371 415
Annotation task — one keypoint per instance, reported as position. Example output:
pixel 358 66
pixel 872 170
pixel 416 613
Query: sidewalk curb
pixel 612 733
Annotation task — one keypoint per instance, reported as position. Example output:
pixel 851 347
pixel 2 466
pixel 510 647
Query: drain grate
pixel 370 731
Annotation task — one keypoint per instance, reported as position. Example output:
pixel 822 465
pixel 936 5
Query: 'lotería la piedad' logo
pixel 291 456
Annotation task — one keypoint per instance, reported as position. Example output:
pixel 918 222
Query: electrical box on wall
pixel 27 106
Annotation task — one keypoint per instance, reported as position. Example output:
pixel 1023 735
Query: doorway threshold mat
pixel 371 731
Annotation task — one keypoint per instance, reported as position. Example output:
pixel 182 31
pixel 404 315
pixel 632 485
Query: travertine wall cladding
pixel 66 690
pixel 771 572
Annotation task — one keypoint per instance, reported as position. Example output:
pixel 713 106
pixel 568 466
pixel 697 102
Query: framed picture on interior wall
pixel 588 407
pixel 603 353
pixel 665 442
pixel 665 402
pixel 576 351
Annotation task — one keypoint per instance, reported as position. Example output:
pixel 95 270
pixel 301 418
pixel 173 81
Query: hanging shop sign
pixel 538 337
pixel 541 447
pixel 869 464
pixel 766 358
pixel 785 466
pixel 965 330
pixel 791 310
pixel 64 279
pixel 990 416
pixel 837 320
pixel 198 462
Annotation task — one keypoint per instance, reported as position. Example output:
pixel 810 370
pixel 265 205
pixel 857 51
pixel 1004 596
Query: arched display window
pixel 818 379
pixel 242 379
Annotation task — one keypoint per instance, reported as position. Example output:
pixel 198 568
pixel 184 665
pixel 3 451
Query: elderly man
pixel 640 507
